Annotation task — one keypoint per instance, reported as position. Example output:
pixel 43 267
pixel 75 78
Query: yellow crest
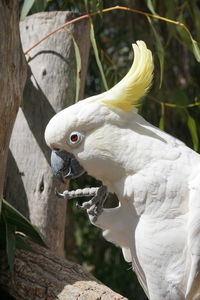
pixel 127 93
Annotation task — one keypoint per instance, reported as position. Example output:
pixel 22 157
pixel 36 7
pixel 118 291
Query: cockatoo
pixel 155 176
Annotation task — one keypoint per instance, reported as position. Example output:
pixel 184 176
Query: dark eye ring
pixel 75 137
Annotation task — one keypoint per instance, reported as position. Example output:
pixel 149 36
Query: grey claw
pixel 86 205
pixel 59 195
pixel 94 206
pixel 97 203
pixel 79 206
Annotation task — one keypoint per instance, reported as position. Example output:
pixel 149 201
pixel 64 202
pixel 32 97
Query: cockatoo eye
pixel 75 138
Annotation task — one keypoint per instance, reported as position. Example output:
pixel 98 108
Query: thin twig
pixel 173 105
pixel 56 30
pixel 108 10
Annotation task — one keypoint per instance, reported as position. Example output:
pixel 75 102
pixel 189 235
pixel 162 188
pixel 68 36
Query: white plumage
pixel 155 176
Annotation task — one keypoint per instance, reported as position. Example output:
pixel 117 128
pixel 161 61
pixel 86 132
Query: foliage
pixel 173 102
pixel 14 227
pixel 34 6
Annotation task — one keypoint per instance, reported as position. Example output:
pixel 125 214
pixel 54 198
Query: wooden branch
pixel 43 275
pixel 51 86
pixel 12 77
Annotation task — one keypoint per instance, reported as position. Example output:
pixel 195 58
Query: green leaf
pixel 93 5
pixel 86 5
pixel 195 14
pixel 78 68
pixel 162 123
pixel 22 244
pixel 188 40
pixel 21 224
pixel 170 11
pixel 160 50
pixel 2 233
pixel 26 8
pixel 39 5
pixel 10 243
pixel 196 50
pixel 78 65
pixel 150 6
pixel 193 132
pixel 94 45
pixel 162 118
pixel 11 223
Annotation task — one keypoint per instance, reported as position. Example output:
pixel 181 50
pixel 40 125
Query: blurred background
pixel 172 104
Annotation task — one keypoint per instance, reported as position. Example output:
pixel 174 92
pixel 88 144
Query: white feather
pixel 156 178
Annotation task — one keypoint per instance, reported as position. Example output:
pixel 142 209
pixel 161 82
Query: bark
pixel 12 77
pixel 50 87
pixel 39 274
pixel 42 275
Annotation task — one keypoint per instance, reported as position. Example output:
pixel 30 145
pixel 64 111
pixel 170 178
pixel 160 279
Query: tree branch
pixel 43 275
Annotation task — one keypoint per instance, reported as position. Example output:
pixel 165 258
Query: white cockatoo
pixel 155 176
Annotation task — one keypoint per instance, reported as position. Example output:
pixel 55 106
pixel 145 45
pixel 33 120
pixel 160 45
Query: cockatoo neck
pixel 115 151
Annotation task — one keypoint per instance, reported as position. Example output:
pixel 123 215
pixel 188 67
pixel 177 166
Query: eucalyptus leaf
pixel 21 243
pixel 193 132
pixel 195 14
pixel 10 243
pixel 169 8
pixel 11 224
pixel 162 118
pixel 160 50
pixel 185 35
pixel 96 53
pixel 162 123
pixel 27 5
pixel 2 233
pixel 188 40
pixel 16 219
pixel 150 6
pixel 40 5
pixel 196 49
pixel 78 68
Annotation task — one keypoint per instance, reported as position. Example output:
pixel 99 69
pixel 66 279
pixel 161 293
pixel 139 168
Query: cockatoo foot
pixel 94 206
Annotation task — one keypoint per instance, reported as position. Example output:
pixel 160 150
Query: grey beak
pixel 65 166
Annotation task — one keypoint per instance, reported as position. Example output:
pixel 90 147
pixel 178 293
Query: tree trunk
pixel 42 275
pixel 39 274
pixel 51 86
pixel 12 77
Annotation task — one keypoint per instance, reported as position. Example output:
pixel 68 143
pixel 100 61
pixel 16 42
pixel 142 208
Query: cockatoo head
pixel 91 134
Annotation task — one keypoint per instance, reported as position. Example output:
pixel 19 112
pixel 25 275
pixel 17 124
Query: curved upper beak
pixel 65 166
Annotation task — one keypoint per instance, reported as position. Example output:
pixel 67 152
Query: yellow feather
pixel 127 93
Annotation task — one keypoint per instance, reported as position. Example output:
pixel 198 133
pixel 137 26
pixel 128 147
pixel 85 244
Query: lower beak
pixel 65 166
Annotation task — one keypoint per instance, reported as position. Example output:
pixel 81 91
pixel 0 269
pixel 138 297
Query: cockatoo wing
pixel 193 284
pixel 140 275
pixel 127 254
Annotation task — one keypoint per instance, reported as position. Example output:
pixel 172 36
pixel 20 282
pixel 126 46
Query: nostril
pixel 56 149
